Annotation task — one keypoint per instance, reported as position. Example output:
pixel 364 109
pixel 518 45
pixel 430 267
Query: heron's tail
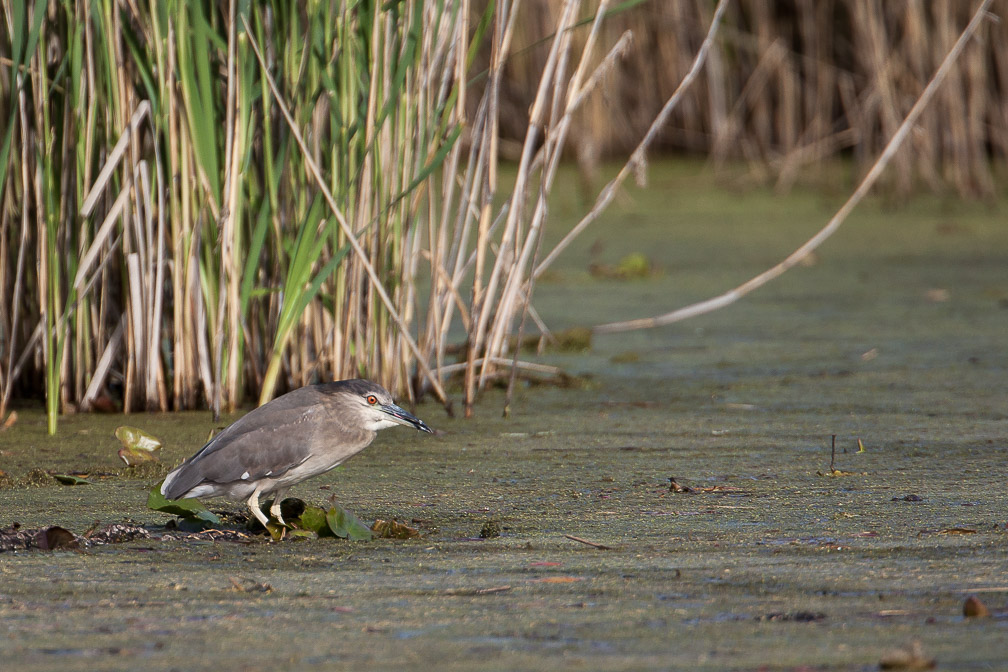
pixel 179 482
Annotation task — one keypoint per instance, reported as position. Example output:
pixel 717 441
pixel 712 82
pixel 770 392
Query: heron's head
pixel 375 408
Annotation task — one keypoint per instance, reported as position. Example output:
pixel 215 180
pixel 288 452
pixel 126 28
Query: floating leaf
pixel 634 265
pixel 314 519
pixel 70 479
pixel 973 607
pixel 393 529
pixel 346 525
pixel 957 530
pixel 186 509
pixel 55 538
pixel 276 531
pixel 138 446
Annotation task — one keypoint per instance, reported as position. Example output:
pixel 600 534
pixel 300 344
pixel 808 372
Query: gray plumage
pixel 298 435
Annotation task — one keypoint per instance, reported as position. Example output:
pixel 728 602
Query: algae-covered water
pixel 896 337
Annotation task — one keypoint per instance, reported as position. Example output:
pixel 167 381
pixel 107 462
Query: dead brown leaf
pixel 55 538
pixel 973 607
pixel 393 529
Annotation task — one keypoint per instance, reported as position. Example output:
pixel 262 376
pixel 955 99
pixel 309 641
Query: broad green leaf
pixel 314 519
pixel 346 525
pixel 276 531
pixel 138 445
pixel 191 509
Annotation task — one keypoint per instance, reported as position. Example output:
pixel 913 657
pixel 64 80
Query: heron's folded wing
pixel 267 442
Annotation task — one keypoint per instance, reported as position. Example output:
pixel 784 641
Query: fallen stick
pixel 588 543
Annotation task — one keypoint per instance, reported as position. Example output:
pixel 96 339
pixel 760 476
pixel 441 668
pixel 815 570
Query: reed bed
pixel 203 204
pixel 792 84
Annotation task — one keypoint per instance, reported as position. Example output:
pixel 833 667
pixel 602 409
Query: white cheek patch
pixel 245 476
pixel 375 425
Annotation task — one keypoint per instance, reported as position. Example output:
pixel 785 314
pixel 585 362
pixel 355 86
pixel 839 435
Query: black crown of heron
pixel 301 434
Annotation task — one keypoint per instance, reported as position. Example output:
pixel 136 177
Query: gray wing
pixel 266 442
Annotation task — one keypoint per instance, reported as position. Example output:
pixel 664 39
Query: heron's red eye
pixel 371 399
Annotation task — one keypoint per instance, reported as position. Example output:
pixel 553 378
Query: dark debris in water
pixel 393 529
pixel 116 533
pixel 490 530
pixel 244 585
pixel 233 536
pixel 793 616
pixel 974 607
pixel 54 537
pixel 678 487
pixel 16 538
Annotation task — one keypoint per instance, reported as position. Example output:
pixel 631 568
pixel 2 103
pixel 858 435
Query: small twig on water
pixel 832 458
pixel 476 591
pixel 588 543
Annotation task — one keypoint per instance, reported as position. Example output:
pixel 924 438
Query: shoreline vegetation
pixel 204 205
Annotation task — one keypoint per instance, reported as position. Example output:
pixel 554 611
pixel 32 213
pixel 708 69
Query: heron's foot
pixel 275 512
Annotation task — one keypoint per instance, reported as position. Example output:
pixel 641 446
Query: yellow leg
pixel 275 509
pixel 253 504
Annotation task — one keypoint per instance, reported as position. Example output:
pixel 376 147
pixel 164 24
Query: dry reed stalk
pixel 486 335
pixel 886 157
pixel 519 286
pixel 504 25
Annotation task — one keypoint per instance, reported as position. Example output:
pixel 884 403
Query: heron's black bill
pixel 404 417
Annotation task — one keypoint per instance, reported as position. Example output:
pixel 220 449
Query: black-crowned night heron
pixel 298 435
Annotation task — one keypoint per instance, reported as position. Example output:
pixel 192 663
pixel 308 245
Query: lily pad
pixel 138 446
pixel 313 519
pixel 346 525
pixel 187 509
pixel 70 479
